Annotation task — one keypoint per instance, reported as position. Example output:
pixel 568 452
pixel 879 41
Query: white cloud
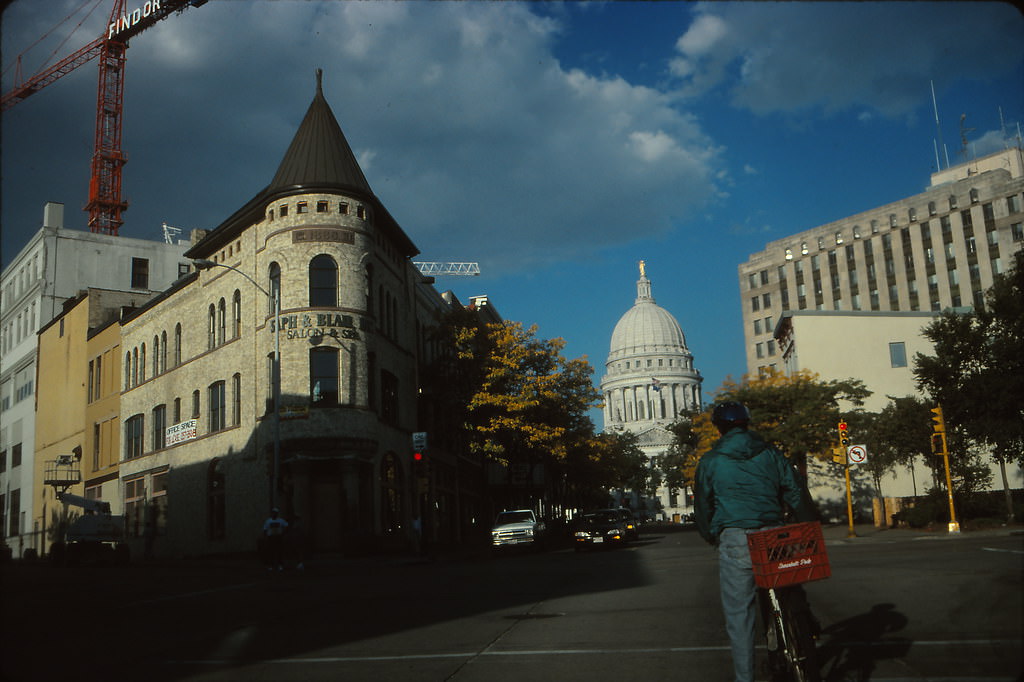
pixel 790 56
pixel 475 138
pixel 703 36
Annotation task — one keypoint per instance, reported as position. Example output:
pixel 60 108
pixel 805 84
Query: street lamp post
pixel 203 264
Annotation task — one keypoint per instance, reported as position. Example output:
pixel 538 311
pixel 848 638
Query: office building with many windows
pixel 935 250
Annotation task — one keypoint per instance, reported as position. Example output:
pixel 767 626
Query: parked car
pixel 600 528
pixel 517 527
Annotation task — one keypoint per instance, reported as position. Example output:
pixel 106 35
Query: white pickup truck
pixel 517 527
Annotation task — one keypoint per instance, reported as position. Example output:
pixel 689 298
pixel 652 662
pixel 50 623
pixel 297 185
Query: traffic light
pixel 844 434
pixel 939 435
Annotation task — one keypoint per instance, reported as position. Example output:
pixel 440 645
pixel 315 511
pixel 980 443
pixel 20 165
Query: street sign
pixel 858 454
pixel 419 441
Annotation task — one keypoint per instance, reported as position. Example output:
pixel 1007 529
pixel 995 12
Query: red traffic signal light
pixel 417 456
pixel 844 434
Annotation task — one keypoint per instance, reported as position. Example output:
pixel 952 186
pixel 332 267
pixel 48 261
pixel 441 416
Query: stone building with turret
pixel 317 251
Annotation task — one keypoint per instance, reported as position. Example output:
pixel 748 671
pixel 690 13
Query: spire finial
pixel 319 81
pixel 643 286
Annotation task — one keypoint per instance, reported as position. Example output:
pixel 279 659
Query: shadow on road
pixel 854 646
pixel 180 620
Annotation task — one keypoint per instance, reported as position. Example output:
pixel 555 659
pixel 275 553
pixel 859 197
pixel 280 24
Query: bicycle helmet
pixel 729 415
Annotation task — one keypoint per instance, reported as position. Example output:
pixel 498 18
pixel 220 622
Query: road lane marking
pixel 1007 551
pixel 577 652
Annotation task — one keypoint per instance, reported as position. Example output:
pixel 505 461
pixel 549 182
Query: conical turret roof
pixel 319 155
pixel 319 159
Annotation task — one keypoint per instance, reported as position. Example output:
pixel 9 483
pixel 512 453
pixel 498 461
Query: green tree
pixel 693 434
pixel 896 437
pixel 977 371
pixel 797 412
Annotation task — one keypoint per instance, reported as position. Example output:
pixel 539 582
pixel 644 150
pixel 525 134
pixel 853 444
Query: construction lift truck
pixel 94 536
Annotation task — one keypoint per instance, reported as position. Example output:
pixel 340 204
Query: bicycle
pixel 784 558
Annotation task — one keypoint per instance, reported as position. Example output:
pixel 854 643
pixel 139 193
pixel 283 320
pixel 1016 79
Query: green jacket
pixel 742 482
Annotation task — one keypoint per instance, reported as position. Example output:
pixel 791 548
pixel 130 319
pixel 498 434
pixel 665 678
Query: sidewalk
pixel 868 533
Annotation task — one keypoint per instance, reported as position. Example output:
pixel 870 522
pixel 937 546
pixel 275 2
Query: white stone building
pixel 55 265
pixel 649 379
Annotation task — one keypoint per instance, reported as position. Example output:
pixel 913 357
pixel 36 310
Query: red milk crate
pixel 788 555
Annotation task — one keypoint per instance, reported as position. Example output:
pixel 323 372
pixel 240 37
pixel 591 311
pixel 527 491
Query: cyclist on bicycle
pixel 741 485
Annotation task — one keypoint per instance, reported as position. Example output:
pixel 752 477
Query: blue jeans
pixel 736 578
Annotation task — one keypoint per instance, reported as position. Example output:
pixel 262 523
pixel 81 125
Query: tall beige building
pixel 937 249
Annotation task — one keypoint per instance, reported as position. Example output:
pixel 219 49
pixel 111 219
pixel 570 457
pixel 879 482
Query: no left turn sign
pixel 858 454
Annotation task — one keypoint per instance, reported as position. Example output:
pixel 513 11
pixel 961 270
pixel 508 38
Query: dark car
pixel 632 527
pixel 599 529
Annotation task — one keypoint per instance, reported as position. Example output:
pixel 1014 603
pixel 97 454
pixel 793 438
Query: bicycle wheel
pixel 801 653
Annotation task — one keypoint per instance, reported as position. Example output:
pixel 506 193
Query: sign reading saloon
pixel 317 325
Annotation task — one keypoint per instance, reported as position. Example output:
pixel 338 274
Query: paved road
pixel 900 606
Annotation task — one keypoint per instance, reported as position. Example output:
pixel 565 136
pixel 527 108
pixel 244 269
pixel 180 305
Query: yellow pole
pixel 849 501
pixel 954 527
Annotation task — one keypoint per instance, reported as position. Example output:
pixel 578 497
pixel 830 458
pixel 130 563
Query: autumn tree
pixel 693 435
pixel 531 401
pixel 796 412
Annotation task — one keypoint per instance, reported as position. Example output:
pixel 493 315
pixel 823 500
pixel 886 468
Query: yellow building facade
pixel 77 400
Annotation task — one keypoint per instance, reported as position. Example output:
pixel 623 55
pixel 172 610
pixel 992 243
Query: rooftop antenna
pixel 963 136
pixel 938 128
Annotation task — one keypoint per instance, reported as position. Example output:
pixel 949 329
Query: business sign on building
pixel 179 433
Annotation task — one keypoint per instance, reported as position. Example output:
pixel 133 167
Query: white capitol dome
pixel 649 376
pixel 646 328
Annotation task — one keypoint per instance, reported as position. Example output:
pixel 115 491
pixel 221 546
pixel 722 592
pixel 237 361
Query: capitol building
pixel 649 379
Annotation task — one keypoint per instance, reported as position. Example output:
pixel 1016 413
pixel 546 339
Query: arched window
pixel 323 282
pixel 177 344
pixel 142 363
pixel 211 328
pixel 275 287
pixel 236 314
pixel 156 355
pixel 135 366
pixel 127 370
pixel 163 351
pixel 369 288
pixel 222 315
pixel 323 377
pixel 236 399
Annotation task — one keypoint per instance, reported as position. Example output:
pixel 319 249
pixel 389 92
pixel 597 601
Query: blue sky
pixel 557 144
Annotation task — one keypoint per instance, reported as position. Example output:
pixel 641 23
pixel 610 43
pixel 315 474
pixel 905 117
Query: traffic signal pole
pixel 939 440
pixel 843 450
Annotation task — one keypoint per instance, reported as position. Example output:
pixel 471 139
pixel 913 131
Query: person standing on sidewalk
pixel 273 534
pixel 741 485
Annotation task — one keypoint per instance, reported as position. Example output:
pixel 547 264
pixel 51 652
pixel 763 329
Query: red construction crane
pixel 105 201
